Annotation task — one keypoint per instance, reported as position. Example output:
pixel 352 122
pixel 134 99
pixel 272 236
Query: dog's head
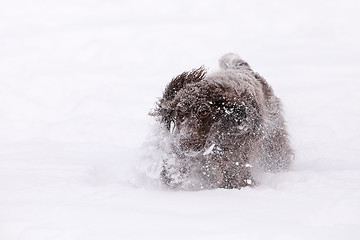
pixel 200 113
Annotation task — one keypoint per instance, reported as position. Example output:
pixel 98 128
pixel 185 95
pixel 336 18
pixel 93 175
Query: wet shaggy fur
pixel 221 128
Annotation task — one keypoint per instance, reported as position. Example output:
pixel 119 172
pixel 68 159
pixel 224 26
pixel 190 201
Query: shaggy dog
pixel 221 128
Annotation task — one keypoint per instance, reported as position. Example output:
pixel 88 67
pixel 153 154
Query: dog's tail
pixel 232 61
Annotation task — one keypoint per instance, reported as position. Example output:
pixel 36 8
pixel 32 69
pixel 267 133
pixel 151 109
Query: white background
pixel 77 79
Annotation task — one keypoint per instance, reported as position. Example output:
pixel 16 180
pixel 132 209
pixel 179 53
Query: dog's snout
pixel 192 144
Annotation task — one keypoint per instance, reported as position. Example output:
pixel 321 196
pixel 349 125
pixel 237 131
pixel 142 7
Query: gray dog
pixel 221 128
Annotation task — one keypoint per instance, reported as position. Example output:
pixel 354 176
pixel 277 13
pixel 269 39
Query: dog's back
pixel 276 152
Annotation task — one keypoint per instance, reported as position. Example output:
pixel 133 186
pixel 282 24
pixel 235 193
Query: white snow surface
pixel 77 79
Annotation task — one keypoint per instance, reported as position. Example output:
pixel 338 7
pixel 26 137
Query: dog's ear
pixel 164 112
pixel 177 83
pixel 165 108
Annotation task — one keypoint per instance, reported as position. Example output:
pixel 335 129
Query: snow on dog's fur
pixel 221 128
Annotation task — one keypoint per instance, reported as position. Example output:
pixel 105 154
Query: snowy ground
pixel 77 79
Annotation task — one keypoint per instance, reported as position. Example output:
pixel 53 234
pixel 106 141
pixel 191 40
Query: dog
pixel 221 128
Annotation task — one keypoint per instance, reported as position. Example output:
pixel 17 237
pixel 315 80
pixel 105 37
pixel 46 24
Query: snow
pixel 79 77
pixel 209 150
